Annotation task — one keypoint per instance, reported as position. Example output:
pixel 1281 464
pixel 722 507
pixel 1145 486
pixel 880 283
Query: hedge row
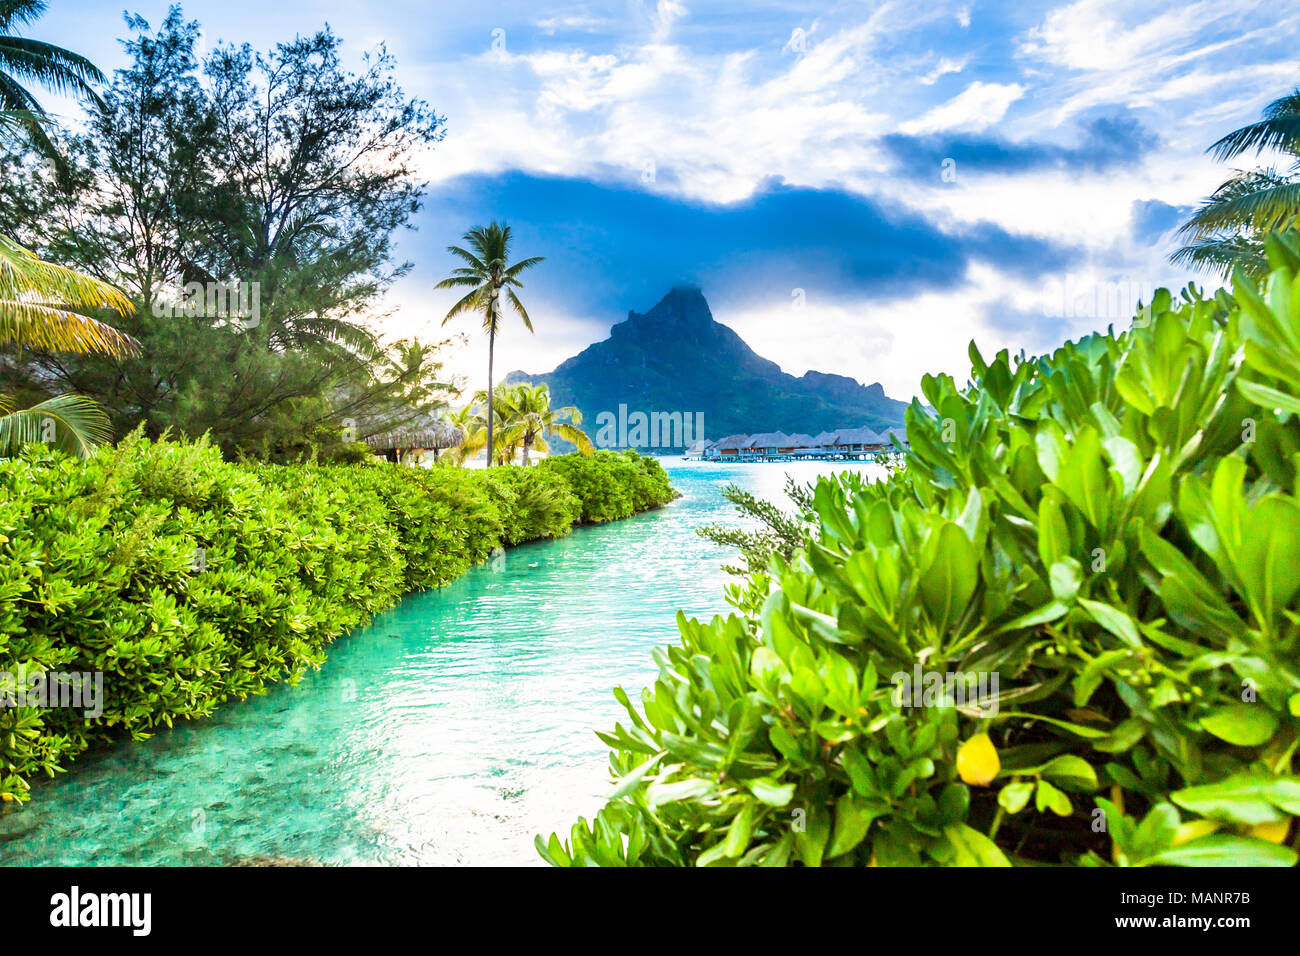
pixel 1111 531
pixel 188 580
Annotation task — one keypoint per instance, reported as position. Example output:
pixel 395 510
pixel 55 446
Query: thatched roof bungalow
pixel 858 443
pixel 701 449
pixel 889 434
pixel 428 434
pixel 731 446
pixel 769 444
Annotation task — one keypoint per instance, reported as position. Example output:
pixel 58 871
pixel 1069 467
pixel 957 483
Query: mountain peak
pixel 683 305
pixel 681 316
pixel 677 358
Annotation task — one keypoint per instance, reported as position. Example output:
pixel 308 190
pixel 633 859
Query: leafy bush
pixel 1111 530
pixel 188 581
pixel 613 484
pixel 539 501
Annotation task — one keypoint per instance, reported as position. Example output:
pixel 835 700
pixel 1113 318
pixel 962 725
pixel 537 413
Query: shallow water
pixel 451 730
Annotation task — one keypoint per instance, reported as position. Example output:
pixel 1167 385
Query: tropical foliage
pixel 1228 230
pixel 42 306
pixel 24 60
pixel 612 484
pixel 523 421
pixel 189 581
pixel 281 174
pixel 490 276
pixel 1113 530
pixel 766 531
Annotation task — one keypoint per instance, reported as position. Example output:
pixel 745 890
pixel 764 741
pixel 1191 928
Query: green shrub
pixel 539 501
pixel 1111 530
pixel 613 484
pixel 188 581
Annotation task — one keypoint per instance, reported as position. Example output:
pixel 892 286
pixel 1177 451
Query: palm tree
pixel 468 422
pixel 1228 230
pixel 26 60
pixel 488 274
pixel 532 421
pixel 41 306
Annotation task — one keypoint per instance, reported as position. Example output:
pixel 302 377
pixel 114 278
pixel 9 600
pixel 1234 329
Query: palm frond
pixel 573 434
pixel 70 423
pixel 16 13
pixel 41 305
pixel 473 260
pixel 467 304
pixel 1224 254
pixel 519 307
pixel 455 281
pixel 55 68
pixel 1281 133
pixel 1261 202
pixel 523 264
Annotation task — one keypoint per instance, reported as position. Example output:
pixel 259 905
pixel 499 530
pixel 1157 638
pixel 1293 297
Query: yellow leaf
pixel 1272 832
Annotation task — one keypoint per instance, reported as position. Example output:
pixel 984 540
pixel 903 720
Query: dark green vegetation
pixel 190 581
pixel 1113 529
pixel 676 358
pixel 279 170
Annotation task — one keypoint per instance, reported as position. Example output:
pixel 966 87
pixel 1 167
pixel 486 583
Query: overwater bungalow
pixel 842 444
pixel 729 448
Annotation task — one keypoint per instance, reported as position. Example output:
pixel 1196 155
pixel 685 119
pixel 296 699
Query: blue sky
pixel 914 176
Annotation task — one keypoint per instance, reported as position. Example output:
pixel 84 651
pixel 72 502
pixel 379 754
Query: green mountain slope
pixel 677 358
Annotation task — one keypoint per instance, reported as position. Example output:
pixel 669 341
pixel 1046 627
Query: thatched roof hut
pixel 428 434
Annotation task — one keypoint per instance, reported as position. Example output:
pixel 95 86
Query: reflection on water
pixel 450 730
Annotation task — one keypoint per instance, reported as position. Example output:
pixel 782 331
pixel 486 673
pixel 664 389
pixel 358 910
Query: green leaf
pixel 772 793
pixel 1071 772
pixel 972 848
pixel 853 817
pixel 810 842
pixel 1246 798
pixel 630 781
pixel 1066 576
pixel 1113 620
pixel 1014 796
pixel 1047 797
pixel 949 579
pixel 1222 849
pixel 739 832
pixel 1269 397
pixel 1246 725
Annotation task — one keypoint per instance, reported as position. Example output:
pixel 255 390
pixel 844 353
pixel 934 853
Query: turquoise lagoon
pixel 449 731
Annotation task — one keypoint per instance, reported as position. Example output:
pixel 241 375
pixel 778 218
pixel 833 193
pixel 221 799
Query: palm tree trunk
pixel 492 336
pixel 527 444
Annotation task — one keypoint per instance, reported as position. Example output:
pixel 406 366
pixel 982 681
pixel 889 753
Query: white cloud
pixel 895 342
pixel 943 68
pixel 716 124
pixel 666 14
pixel 975 108
pixel 574 22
